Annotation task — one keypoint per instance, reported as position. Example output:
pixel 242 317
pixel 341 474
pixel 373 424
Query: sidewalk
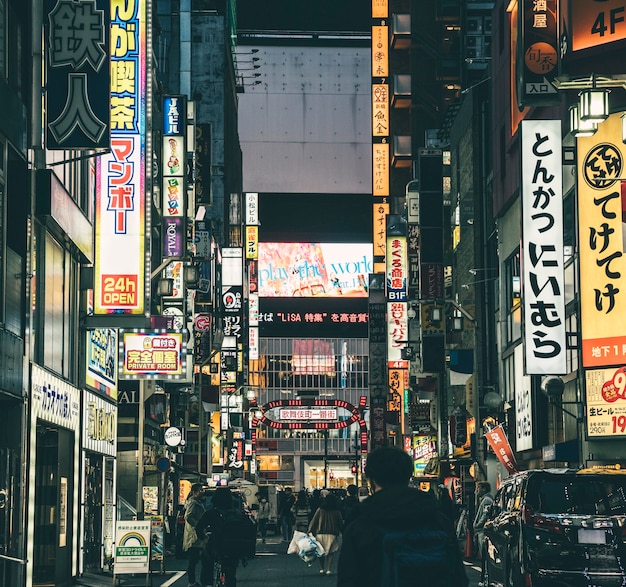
pixel 271 565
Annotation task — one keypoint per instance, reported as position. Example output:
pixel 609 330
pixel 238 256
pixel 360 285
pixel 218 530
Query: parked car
pixel 557 528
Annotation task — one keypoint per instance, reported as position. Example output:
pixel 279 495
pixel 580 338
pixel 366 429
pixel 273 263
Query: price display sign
pixel 606 402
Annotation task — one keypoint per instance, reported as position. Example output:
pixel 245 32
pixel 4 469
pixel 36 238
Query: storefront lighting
pixel 594 105
pixel 578 127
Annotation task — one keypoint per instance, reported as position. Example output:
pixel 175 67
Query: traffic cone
pixel 468 545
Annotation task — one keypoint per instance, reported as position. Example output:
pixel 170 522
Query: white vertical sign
pixel 542 238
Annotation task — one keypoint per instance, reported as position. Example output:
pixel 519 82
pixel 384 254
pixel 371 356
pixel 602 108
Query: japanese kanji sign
pixel 152 355
pixel 538 61
pixel 499 443
pixel 606 401
pixel 397 330
pixel 596 23
pixel 77 99
pixel 396 263
pixel 120 268
pixel 542 235
pixel 601 245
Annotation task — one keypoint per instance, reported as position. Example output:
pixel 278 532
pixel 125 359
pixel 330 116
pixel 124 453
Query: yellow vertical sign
pixel 380 110
pixel 380 8
pixel 380 51
pixel 380 162
pixel 601 162
pixel 380 218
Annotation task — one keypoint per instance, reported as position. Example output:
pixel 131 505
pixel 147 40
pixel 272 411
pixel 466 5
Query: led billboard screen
pixel 337 270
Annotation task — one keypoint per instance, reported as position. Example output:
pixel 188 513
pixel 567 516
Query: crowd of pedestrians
pixel 396 531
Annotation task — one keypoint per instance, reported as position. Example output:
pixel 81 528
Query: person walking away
pixel 231 537
pixel 400 537
pixel 351 504
pixel 262 516
pixel 302 510
pixel 485 500
pixel 314 502
pixel 192 543
pixel 286 517
pixel 326 526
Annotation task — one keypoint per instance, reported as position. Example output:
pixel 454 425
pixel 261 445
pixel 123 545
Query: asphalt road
pixel 272 567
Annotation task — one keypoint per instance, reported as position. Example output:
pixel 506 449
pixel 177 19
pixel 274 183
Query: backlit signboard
pixel 78 76
pixel 397 271
pixel 380 110
pixel 380 8
pixel 252 242
pixel 542 235
pixel 380 160
pixel 101 355
pixel 606 401
pixel 307 414
pixel 381 209
pixel 252 209
pixel 120 268
pixel 152 355
pixel 313 317
pixel 538 61
pixel 397 330
pixel 601 248
pixel 595 23
pixel 380 51
pixel 314 269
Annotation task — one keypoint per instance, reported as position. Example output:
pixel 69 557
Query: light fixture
pixel 165 286
pixel 578 127
pixel 229 343
pixel 191 275
pixel 594 104
pixel 434 313
pixel 457 323
pixel 623 128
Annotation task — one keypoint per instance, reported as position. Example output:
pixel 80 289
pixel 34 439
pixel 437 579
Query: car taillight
pixel 540 522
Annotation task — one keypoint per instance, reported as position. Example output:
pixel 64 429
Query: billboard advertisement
pixel 155 355
pixel 119 268
pixel 101 355
pixel 314 269
pixel 606 402
pixel 542 235
pixel 601 245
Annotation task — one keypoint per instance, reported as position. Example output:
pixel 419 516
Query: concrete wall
pixel 306 127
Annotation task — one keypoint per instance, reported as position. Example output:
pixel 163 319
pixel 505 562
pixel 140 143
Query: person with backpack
pixel 231 537
pixel 400 537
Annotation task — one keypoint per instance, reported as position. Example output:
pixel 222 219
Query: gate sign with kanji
pixel 78 74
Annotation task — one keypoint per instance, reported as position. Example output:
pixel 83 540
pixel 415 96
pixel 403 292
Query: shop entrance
pixel 52 558
pixel 93 512
pixel 9 515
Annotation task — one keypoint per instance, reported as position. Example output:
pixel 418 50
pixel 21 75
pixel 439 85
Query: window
pixel 512 297
pixel 55 308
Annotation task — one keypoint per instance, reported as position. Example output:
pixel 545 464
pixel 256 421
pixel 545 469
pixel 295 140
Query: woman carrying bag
pixel 192 544
pixel 326 526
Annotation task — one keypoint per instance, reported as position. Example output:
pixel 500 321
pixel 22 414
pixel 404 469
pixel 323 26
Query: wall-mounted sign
pixel 396 265
pixel 601 162
pixel 78 75
pixel 307 414
pixel 120 269
pixel 380 51
pixel 380 110
pixel 606 402
pixel 596 23
pixel 252 209
pixel 152 355
pixel 538 60
pixel 380 209
pixel 101 356
pixel 380 165
pixel 252 242
pixel 542 235
pixel 397 330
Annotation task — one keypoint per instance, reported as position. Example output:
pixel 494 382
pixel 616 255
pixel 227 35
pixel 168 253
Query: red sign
pixel 499 443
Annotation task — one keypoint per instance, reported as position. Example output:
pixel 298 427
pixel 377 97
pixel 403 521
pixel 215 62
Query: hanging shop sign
pixel 101 357
pixel 78 74
pixel 499 443
pixel 539 46
pixel 120 271
pixel 606 402
pixel 602 260
pixel 397 330
pixel 542 235
pixel 152 355
pixel 99 425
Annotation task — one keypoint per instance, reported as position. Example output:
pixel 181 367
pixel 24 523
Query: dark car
pixel 557 528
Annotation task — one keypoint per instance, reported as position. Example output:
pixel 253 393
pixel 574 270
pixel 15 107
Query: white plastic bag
pixel 293 545
pixel 309 548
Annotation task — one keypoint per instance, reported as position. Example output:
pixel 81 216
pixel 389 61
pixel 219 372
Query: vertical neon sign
pixel 119 284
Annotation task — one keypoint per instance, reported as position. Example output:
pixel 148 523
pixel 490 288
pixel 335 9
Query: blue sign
pixel 173 115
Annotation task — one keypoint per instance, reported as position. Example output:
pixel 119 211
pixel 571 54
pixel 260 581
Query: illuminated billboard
pixel 101 355
pixel 120 268
pixel 314 269
pixel 152 355
pixel 601 161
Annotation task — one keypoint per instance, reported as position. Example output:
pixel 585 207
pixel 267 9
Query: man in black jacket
pixel 393 507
